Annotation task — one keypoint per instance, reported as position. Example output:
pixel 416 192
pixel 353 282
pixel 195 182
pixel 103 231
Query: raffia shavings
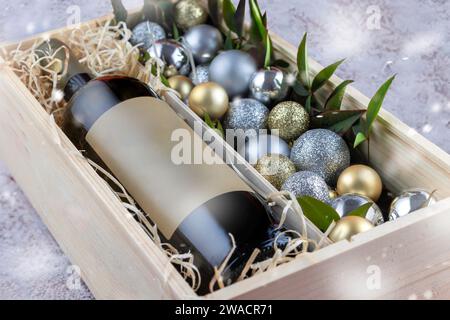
pixel 105 49
pixel 41 80
pixel 217 278
pixel 249 263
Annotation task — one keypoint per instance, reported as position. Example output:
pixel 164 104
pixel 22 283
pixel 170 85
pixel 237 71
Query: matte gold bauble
pixel 348 227
pixel 170 71
pixel 210 98
pixel 360 179
pixel 189 13
pixel 181 84
pixel 333 194
pixel 276 169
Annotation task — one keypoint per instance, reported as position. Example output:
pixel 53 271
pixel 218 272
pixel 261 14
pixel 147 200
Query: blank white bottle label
pixel 134 140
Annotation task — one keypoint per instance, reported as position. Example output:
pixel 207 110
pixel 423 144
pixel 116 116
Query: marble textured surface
pixel 378 38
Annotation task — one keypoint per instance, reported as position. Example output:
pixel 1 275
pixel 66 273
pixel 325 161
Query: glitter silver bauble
pixel 233 70
pixel 146 33
pixel 202 74
pixel 349 202
pixel 323 152
pixel 246 114
pixel 306 183
pixel 172 53
pixel 258 145
pixel 410 201
pixel 204 41
pixel 269 86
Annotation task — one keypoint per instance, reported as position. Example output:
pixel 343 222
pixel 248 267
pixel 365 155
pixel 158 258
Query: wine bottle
pixel 122 122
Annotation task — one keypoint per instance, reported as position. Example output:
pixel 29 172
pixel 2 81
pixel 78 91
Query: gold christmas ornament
pixel 349 226
pixel 181 84
pixel 211 98
pixel 275 168
pixel 290 119
pixel 360 179
pixel 189 13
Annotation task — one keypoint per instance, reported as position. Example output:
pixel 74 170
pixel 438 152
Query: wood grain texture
pixel 117 259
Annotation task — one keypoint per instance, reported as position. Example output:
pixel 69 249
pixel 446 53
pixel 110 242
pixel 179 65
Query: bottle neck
pixel 75 83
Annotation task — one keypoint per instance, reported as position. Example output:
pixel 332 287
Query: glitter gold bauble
pixel 349 226
pixel 181 84
pixel 275 168
pixel 210 98
pixel 290 119
pixel 360 179
pixel 189 13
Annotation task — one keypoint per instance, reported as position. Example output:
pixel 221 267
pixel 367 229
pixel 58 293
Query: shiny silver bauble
pixel 349 202
pixel 204 41
pixel 410 201
pixel 269 86
pixel 255 146
pixel 172 53
pixel 146 33
pixel 233 70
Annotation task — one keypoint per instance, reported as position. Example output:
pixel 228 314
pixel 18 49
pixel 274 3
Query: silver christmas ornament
pixel 258 145
pixel 349 202
pixel 233 70
pixel 201 74
pixel 306 183
pixel 204 41
pixel 172 53
pixel 269 86
pixel 246 114
pixel 323 152
pixel 410 201
pixel 146 33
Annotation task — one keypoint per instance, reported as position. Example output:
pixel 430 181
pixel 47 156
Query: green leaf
pixel 144 57
pixel 208 121
pixel 308 104
pixel 319 213
pixel 264 19
pixel 281 64
pixel 361 211
pixel 360 138
pixel 239 18
pixel 324 75
pixel 337 121
pixel 229 42
pixel 228 14
pixel 215 12
pixel 300 89
pixel 268 57
pixel 120 12
pixel 257 19
pixel 302 63
pixel 375 104
pixel 176 32
pixel 334 101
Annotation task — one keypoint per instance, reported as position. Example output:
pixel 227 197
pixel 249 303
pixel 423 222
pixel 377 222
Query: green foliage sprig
pixel 330 115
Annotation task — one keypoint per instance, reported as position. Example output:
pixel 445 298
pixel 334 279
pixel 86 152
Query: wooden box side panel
pixel 412 262
pixel 117 259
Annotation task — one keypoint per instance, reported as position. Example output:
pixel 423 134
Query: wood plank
pixel 413 261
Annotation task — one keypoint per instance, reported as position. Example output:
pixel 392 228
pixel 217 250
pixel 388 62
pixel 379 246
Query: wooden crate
pixel 406 258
